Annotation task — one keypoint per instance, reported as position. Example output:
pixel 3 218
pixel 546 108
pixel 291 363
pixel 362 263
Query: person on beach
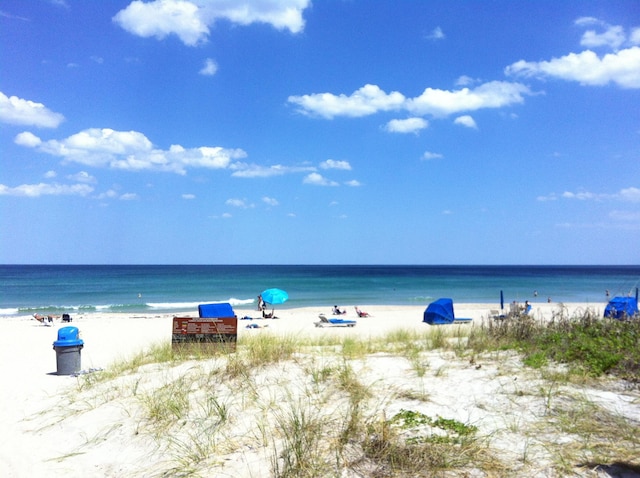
pixel 267 316
pixel 261 305
pixel 337 311
pixel 48 320
pixel 362 313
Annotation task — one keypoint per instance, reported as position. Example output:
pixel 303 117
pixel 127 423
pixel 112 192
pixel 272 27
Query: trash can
pixel 68 348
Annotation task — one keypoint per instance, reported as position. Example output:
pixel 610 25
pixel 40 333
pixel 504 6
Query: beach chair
pixel 324 322
pixel 496 314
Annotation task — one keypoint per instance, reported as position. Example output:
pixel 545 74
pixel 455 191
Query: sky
pixel 324 132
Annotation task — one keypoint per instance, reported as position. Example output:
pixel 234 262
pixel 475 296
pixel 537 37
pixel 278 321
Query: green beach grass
pixel 286 406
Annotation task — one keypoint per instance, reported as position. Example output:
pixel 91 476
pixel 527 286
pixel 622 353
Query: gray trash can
pixel 68 348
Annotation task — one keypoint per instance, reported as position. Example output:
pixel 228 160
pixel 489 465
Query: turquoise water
pixel 26 289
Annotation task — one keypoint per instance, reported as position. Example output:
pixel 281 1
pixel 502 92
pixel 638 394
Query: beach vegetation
pixel 315 406
pixel 414 444
pixel 585 342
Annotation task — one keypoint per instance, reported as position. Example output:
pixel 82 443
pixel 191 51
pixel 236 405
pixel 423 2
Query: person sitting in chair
pixel 337 311
pixel 362 313
pixel 267 316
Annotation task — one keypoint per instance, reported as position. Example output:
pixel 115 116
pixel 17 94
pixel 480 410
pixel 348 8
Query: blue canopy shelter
pixel 217 310
pixel 441 312
pixel 621 307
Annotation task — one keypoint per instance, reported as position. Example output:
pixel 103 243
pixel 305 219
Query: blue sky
pixel 326 132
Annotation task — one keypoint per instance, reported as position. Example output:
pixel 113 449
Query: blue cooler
pixel 68 348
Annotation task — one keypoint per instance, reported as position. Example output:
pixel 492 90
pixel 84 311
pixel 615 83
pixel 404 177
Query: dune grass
pixel 587 343
pixel 307 407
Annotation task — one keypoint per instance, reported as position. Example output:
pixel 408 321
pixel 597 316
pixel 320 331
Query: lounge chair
pixel 324 322
pixel 496 314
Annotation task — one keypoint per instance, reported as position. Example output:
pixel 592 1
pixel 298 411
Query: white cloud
pixel 131 151
pixel 354 183
pixel 365 101
pixel 333 164
pixel 270 201
pixel 27 139
pixel 549 197
pixel 188 196
pixel 429 155
pixel 50 174
pixel 581 196
pixel 244 170
pixel 318 180
pixel 467 121
pixel 409 125
pixel 14 110
pixel 630 194
pixel 164 17
pixel 239 203
pixel 82 177
pixel 465 80
pixel 583 21
pixel 210 68
pixel 46 189
pixel 15 17
pixel 190 20
pixel 436 34
pixel 109 194
pixel 371 99
pixel 128 197
pixel 494 94
pixel 613 38
pixel 281 14
pixel 587 68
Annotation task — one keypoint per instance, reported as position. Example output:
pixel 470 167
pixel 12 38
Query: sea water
pixel 27 289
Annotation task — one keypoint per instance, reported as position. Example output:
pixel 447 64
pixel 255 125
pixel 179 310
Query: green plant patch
pixel 454 431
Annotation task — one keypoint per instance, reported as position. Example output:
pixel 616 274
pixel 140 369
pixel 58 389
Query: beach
pixel 102 435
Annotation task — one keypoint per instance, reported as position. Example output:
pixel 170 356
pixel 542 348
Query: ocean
pixel 55 289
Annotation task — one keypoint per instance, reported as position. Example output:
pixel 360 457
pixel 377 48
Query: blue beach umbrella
pixel 274 296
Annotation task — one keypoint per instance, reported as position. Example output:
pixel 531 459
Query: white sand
pixel 38 440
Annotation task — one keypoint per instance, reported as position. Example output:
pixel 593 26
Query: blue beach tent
pixel 218 310
pixel 441 312
pixel 621 307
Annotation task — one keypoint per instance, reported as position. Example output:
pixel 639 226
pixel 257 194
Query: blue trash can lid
pixel 68 337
